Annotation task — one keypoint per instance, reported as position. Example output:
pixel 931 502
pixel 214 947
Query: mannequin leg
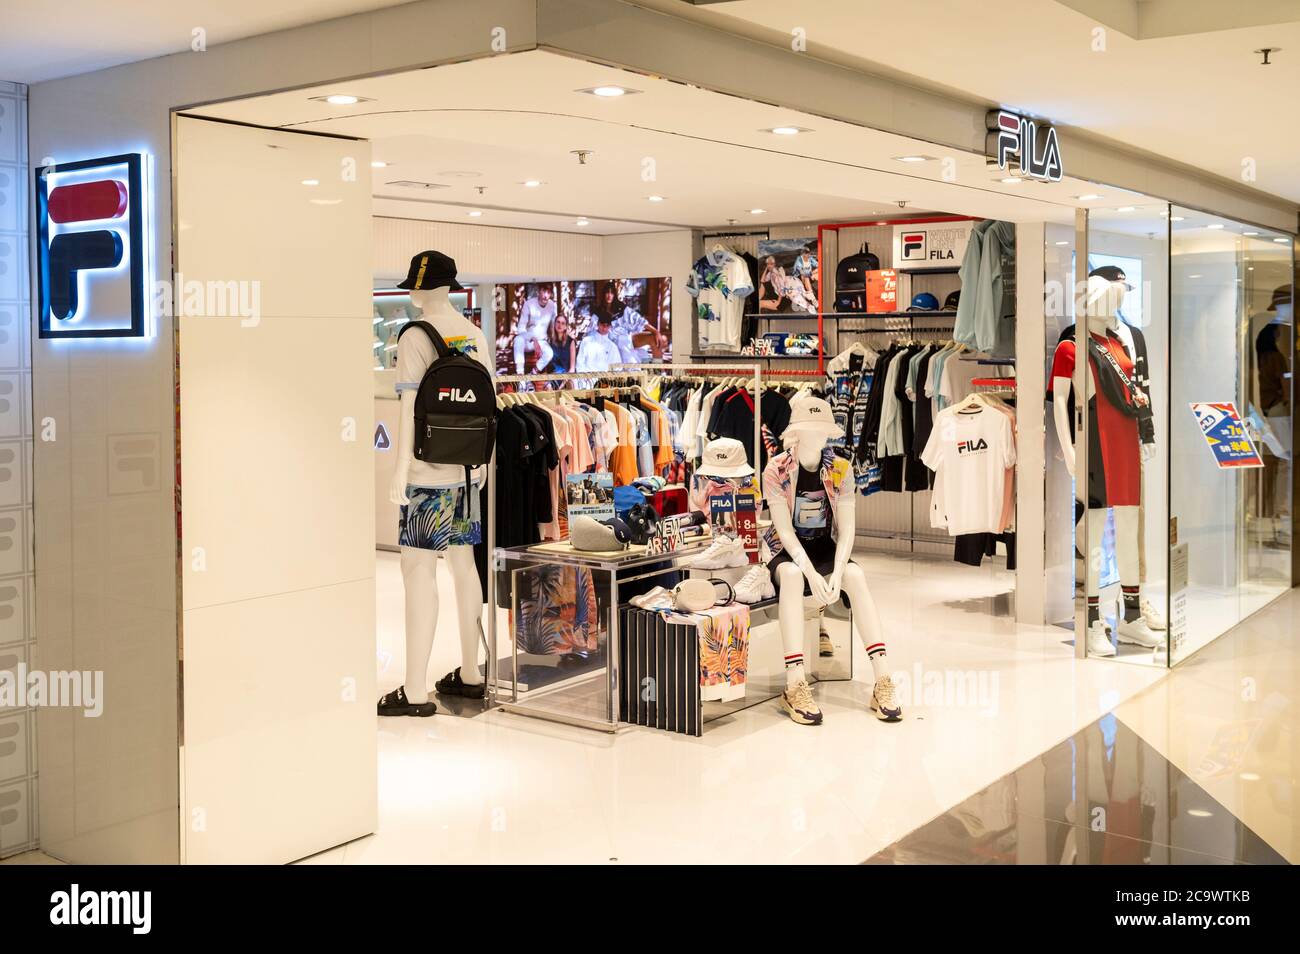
pixel 469 606
pixel 419 579
pixel 1095 519
pixel 865 618
pixel 789 614
pixel 1127 545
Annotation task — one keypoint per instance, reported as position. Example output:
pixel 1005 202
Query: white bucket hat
pixel 813 416
pixel 724 457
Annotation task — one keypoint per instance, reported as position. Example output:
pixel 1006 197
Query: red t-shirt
pixel 1121 453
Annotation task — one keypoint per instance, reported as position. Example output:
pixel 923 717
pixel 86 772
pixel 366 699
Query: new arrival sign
pixel 1226 435
pixel 91 248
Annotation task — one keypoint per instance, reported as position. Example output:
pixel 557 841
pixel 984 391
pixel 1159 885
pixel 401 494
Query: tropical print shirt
pixel 781 474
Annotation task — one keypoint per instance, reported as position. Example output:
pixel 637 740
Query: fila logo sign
pixel 913 246
pixel 90 248
pixel 971 447
pixel 459 395
pixel 1034 145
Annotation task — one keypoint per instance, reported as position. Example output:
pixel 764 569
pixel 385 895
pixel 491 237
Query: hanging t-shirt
pixel 719 283
pixel 970 449
pixel 812 511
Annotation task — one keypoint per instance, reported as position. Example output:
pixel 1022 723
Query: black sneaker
pixel 395 703
pixel 452 685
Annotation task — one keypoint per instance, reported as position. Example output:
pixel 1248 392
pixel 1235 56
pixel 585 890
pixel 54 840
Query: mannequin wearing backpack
pixel 435 503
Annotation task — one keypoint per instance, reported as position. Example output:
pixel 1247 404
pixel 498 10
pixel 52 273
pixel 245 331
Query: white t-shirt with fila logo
pixel 970 450
pixel 414 355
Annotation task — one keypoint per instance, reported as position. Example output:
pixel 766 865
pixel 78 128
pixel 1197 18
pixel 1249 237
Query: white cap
pixel 813 415
pixel 725 457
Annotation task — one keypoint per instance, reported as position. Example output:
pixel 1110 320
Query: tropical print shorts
pixel 437 518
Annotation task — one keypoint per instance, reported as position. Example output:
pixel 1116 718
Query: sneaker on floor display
pixel 1139 633
pixel 452 685
pixel 1152 616
pixel 825 648
pixel 755 585
pixel 799 704
pixel 1099 643
pixel 722 553
pixel 884 701
pixel 395 703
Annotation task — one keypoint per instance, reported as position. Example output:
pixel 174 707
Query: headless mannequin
pixel 419 565
pixel 1101 307
pixel 807 445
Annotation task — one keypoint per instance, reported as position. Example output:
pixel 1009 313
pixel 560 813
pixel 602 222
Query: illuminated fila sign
pixel 1034 145
pixel 90 248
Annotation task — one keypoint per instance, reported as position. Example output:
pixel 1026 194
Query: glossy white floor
pixel 755 787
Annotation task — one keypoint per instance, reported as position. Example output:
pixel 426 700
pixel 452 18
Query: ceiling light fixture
pixel 311 182
pixel 1199 813
pixel 1062 243
pixel 1177 218
pixel 532 183
pixel 758 211
pixel 1215 225
pixel 1193 276
pixel 786 130
pixel 912 158
pixel 474 214
pixel 608 91
pixel 582 223
pixel 1127 208
pixel 378 164
pixel 1250 234
pixel 1088 197
pixel 341 99
pixel 654 198
pixel 1282 241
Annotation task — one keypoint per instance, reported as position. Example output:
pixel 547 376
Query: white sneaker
pixel 800 706
pixel 755 585
pixel 1099 643
pixel 658 598
pixel 1152 616
pixel 884 700
pixel 1139 633
pixel 825 648
pixel 724 552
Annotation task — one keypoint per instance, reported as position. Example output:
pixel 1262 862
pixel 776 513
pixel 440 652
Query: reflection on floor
pixel 1101 797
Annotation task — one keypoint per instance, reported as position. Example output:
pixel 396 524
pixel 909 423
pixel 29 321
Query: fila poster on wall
pixel 91 248
pixel 932 245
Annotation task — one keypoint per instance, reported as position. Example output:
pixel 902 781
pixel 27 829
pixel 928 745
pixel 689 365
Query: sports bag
pixel 455 408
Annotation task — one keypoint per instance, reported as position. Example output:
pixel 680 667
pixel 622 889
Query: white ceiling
pixel 513 118
pixel 1200 97
pixel 40 40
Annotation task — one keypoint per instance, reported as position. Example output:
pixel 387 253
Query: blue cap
pixel 924 302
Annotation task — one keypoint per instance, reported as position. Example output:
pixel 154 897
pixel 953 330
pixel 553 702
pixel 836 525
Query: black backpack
pixel 850 273
pixel 455 408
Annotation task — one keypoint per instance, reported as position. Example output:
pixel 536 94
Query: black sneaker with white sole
pixel 395 703
pixel 452 685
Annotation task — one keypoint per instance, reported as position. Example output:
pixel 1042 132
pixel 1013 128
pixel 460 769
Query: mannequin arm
pixel 405 447
pixel 784 526
pixel 1061 417
pixel 846 514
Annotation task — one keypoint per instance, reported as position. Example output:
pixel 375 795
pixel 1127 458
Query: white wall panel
pixel 485 252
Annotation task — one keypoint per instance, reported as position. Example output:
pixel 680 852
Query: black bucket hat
pixel 429 270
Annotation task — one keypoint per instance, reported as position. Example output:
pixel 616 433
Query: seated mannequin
pixel 437 520
pixel 813 524
pixel 1118 447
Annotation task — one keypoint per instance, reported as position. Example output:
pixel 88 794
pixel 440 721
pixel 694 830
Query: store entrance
pixel 625 277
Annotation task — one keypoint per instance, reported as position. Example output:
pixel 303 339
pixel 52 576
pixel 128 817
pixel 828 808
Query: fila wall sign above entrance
pixel 91 248
pixel 1033 144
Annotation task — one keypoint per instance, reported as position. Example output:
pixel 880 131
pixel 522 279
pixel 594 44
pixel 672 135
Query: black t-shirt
pixel 812 511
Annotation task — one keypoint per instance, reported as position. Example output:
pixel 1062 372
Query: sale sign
pixel 1226 435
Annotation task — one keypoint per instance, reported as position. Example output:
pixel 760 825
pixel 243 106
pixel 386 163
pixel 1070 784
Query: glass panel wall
pixel 1229 421
pixel 1122 505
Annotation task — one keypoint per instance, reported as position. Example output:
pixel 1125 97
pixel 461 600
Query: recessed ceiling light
pixel 1282 241
pixel 608 91
pixel 1126 208
pixel 1088 197
pixel 911 158
pixel 655 198
pixel 475 214
pixel 1250 234
pixel 1177 218
pixel 1215 225
pixel 341 99
pixel 758 211
pixel 378 164
pixel 310 182
pixel 786 130
pixel 582 223
pixel 532 183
